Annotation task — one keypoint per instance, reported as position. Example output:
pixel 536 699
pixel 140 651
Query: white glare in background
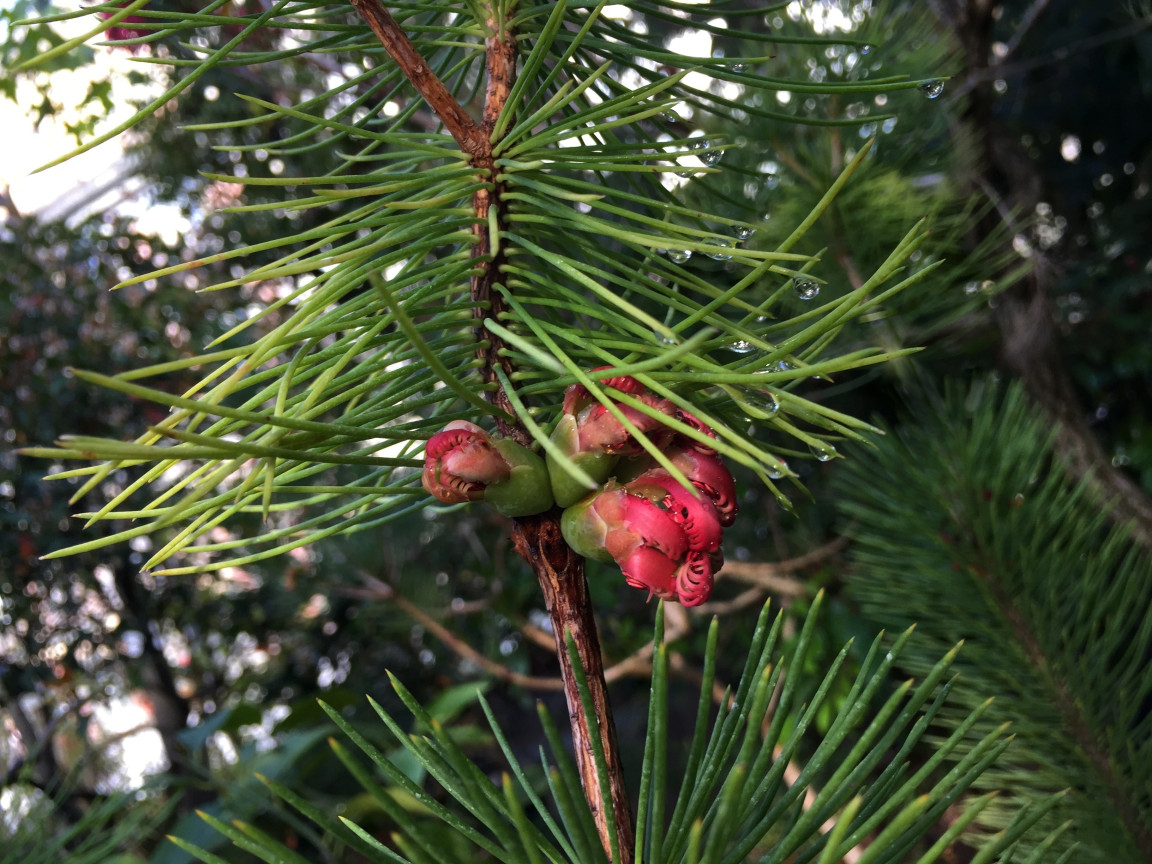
pixel 827 16
pixel 694 43
pixel 1070 148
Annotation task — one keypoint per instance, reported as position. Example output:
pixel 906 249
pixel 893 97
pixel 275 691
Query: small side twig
pixel 775 575
pixel 404 54
pixel 382 591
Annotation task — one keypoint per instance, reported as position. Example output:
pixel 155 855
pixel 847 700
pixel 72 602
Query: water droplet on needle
pixel 931 89
pixel 823 451
pixel 806 289
pixel 723 244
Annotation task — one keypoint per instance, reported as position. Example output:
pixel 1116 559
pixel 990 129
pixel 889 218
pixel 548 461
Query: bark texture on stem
pixel 559 570
pixel 416 69
pixel 561 575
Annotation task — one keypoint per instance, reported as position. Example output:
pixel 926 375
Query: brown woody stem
pixel 404 54
pixel 559 570
pixel 561 575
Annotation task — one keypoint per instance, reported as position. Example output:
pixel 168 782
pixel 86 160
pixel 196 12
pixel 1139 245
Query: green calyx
pixel 527 490
pixel 585 531
pixel 598 465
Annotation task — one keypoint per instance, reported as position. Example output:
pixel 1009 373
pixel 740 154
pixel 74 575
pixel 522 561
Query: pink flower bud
pixel 694 579
pixel 694 513
pixel 460 462
pixel 708 474
pixel 698 424
pixel 650 569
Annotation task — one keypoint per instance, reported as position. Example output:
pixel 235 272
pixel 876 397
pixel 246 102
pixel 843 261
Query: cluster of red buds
pixel 664 535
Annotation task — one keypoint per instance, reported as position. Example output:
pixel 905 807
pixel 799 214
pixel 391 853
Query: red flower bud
pixel 651 569
pixel 698 424
pixel 708 474
pixel 654 546
pixel 460 462
pixel 694 513
pixel 597 464
pixel 599 430
pixel 577 397
pixel 694 579
pixel 464 463
pixel 119 31
pixel 614 524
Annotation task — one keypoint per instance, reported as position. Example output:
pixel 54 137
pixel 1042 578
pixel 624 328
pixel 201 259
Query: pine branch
pixel 559 570
pixel 400 48
pixel 969 527
pixel 1076 724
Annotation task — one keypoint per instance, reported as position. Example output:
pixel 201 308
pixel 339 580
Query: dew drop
pixel 743 232
pixel 823 451
pixel 741 346
pixel 865 49
pixel 763 400
pixel 665 340
pixel 679 256
pixel 781 366
pixel 778 471
pixel 739 67
pixel 932 89
pixel 972 288
pixel 723 244
pixel 987 285
pixel 707 155
pixel 670 117
pixel 805 289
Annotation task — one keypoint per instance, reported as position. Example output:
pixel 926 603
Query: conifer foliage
pixel 1053 601
pixel 505 226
